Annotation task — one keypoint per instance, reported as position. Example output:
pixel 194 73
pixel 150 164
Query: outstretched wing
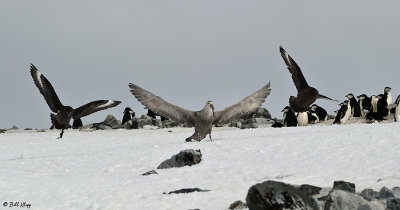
pixel 326 98
pixel 243 107
pixel 93 107
pixel 297 76
pixel 46 89
pixel 160 106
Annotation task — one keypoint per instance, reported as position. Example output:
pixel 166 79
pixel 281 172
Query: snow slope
pixel 102 169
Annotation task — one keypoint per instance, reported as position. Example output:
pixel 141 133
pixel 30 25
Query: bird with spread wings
pixel 205 118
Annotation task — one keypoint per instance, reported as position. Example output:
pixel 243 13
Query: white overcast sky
pixel 189 52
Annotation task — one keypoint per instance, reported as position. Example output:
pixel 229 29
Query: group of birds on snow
pixel 204 119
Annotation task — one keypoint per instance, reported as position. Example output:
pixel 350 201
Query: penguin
pixel 320 112
pixel 289 117
pixel 346 112
pixel 397 108
pixel 312 118
pixel 364 103
pixel 302 119
pixel 77 124
pixel 128 115
pixel 387 95
pixel 277 124
pixel 374 103
pixel 355 108
pixel 339 113
pixel 382 106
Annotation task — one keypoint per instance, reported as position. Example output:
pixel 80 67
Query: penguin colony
pixel 300 111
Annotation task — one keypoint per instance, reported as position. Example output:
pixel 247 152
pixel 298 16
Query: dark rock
pixel 277 195
pixel 111 122
pixel 237 205
pixel 393 203
pixel 100 126
pixel 249 123
pixel 258 113
pixel 309 189
pixel 369 194
pixel 346 186
pixel 237 124
pixel 187 190
pixel 143 122
pixel 396 191
pixel 13 128
pixel 28 129
pixel 149 173
pixel 386 193
pixel 170 124
pixel 2 130
pixel 187 157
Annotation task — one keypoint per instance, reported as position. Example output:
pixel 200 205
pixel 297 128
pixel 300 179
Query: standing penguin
pixel 397 112
pixel 346 114
pixel 339 113
pixel 382 106
pixel 364 103
pixel 128 115
pixel 302 118
pixel 320 112
pixel 355 108
pixel 374 103
pixel 289 117
pixel 387 95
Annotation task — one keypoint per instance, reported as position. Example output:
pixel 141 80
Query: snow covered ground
pixel 102 169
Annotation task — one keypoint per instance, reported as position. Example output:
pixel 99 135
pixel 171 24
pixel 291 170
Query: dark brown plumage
pixel 306 95
pixel 63 115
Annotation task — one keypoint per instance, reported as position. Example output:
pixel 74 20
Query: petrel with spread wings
pixel 306 95
pixel 205 118
pixel 63 115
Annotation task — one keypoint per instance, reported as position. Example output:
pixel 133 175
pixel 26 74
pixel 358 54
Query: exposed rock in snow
pixel 309 189
pixel 237 205
pixel 339 199
pixel 345 186
pixel 260 112
pixel 277 195
pixel 187 190
pixel 112 122
pixel 369 194
pixel 186 157
pixel 386 193
pixel 13 128
pixel 393 203
pixel 149 173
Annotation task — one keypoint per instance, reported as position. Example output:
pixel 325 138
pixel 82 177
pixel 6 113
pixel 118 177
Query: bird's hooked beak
pixel 212 106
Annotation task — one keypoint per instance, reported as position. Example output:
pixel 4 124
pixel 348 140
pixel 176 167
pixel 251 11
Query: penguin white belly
pixel 389 98
pixel 302 119
pixel 374 102
pixel 316 116
pixel 397 113
pixel 346 116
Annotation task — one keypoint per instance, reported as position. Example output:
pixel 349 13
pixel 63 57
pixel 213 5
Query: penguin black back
pixel 290 119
